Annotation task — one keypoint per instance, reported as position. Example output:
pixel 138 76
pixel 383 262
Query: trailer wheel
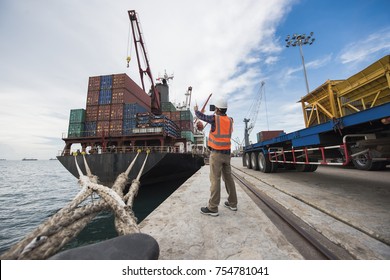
pixel 306 167
pixel 254 162
pixel 265 165
pixel 313 167
pixel 274 167
pixel 248 160
pixel 365 162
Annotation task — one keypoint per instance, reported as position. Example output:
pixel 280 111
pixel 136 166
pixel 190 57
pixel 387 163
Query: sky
pixel 49 48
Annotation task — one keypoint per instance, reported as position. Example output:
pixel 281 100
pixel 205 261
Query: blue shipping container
pixel 128 126
pixel 106 82
pixel 90 129
pixel 105 96
pixel 130 110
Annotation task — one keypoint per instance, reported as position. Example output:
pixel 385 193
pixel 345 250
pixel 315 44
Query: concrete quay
pixel 183 233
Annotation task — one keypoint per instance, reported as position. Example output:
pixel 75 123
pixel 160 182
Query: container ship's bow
pixel 160 167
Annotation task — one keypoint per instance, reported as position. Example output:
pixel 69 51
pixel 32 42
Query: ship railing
pixel 122 149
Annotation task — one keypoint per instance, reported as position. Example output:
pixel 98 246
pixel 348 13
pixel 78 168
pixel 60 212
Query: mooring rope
pixel 58 230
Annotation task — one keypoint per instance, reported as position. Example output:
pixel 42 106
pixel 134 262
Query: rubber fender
pixel 135 246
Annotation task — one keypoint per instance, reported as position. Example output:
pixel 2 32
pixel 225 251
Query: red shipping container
pixel 93 97
pixel 94 83
pixel 123 95
pixel 116 128
pixel 133 93
pixel 104 112
pixel 175 116
pixel 116 111
pixel 102 128
pixel 186 125
pixel 91 113
pixel 118 80
pixel 167 114
pixel 269 134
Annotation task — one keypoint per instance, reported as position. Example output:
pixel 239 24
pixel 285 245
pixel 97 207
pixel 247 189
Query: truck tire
pixel 306 167
pixel 265 165
pixel 248 160
pixel 365 162
pixel 313 167
pixel 254 162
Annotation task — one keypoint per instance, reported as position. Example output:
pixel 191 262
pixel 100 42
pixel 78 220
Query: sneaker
pixel 227 205
pixel 207 211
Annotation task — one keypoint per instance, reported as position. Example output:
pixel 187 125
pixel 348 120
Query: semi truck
pixel 347 122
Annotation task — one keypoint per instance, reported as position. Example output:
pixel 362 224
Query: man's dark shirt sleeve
pixel 207 118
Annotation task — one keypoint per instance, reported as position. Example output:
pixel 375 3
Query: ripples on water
pixel 33 191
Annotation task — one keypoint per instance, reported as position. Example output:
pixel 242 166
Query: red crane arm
pixel 140 47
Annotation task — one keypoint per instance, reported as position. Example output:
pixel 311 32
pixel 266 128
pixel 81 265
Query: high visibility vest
pixel 219 139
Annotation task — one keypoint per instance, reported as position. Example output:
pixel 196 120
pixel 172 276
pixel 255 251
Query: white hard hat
pixel 221 103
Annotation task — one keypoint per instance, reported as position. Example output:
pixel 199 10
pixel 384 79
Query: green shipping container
pixel 77 116
pixel 189 135
pixel 76 130
pixel 186 116
pixel 167 107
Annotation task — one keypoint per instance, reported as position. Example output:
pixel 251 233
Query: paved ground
pixel 183 233
pixel 348 206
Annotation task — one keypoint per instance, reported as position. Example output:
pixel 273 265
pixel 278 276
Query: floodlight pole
pixel 301 39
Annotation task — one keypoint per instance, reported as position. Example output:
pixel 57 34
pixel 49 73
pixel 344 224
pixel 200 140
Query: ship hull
pixel 159 167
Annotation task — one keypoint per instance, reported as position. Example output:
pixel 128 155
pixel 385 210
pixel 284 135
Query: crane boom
pixel 144 70
pixel 253 113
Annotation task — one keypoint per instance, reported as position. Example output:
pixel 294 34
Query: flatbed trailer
pixel 362 138
pixel 347 121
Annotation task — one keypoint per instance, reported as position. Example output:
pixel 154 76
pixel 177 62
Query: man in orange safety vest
pixel 219 143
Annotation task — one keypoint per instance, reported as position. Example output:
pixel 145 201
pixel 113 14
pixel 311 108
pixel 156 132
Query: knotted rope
pixel 58 230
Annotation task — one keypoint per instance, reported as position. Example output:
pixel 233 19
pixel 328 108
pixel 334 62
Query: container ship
pixel 121 118
pixel 118 121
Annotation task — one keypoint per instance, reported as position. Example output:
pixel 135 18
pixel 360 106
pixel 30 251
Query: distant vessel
pixel 29 159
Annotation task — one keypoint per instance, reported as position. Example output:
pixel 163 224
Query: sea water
pixel 33 191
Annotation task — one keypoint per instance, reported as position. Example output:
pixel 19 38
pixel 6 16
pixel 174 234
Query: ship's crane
pixel 199 124
pixel 144 69
pixel 186 104
pixel 252 114
pixel 188 97
pixel 238 144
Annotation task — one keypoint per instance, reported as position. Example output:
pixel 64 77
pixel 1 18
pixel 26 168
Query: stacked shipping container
pixel 130 112
pixel 187 125
pixel 117 106
pixel 76 123
pixel 112 104
pixel 183 119
pixel 160 123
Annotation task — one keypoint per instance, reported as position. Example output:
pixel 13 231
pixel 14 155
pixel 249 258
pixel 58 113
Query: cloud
pixel 50 48
pixel 378 42
pixel 288 74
